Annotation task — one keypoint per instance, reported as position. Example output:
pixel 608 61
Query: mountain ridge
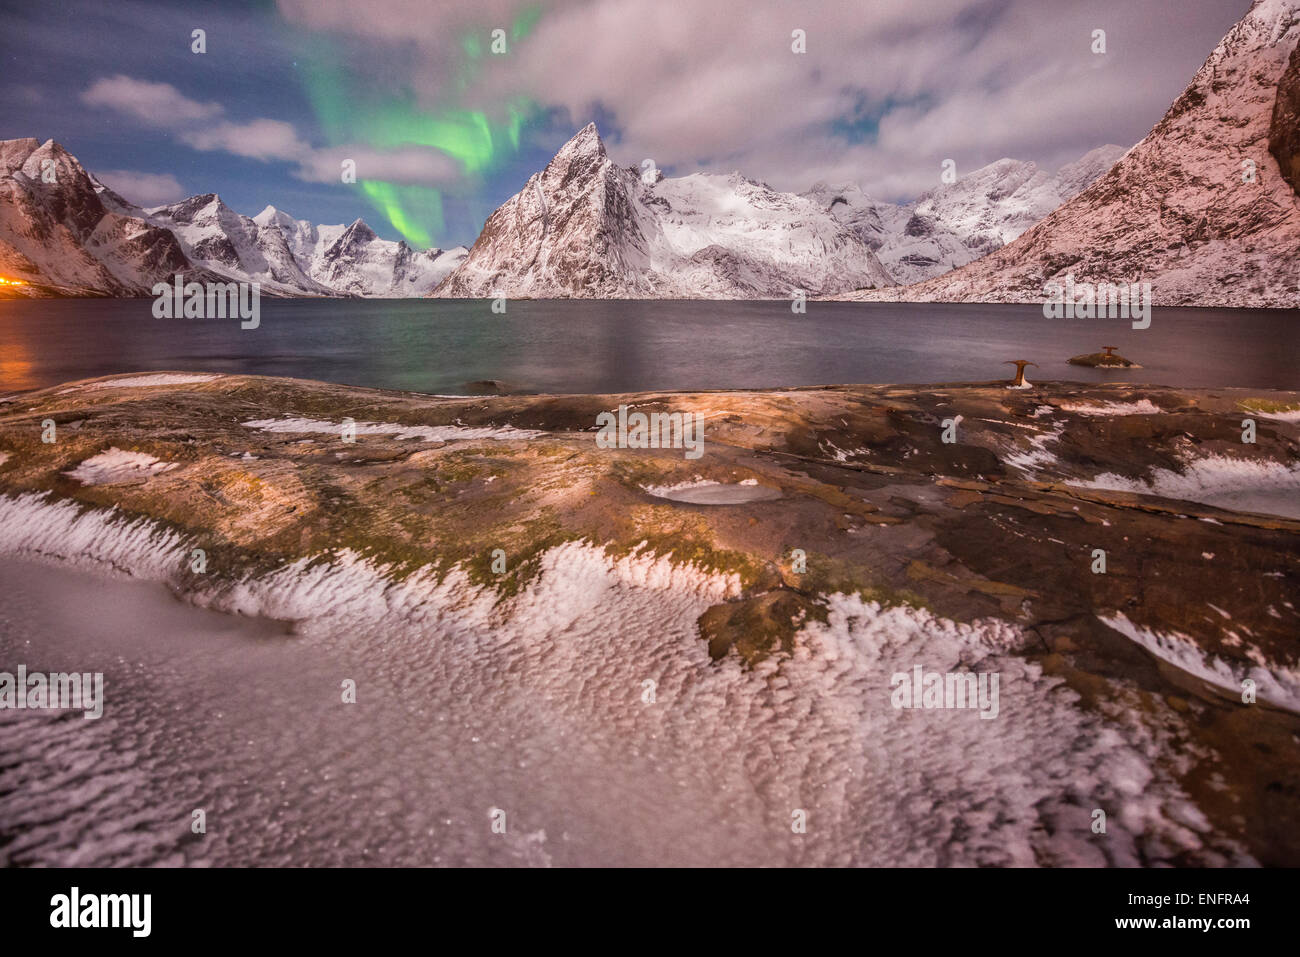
pixel 1200 207
pixel 75 236
pixel 953 224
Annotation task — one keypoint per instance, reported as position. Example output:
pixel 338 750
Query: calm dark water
pixel 567 346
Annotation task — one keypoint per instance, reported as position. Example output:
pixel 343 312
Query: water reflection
pixel 580 346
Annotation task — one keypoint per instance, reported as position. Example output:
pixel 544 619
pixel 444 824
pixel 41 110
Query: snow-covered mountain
pixel 353 260
pixel 1206 208
pixel 959 222
pixel 586 228
pixel 63 239
pixel 293 257
pixel 218 237
pixel 66 233
pixel 581 227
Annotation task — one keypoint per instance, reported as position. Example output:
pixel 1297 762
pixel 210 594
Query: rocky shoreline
pixel 862 495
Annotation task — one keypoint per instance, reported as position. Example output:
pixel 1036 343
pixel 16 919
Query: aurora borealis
pixel 351 108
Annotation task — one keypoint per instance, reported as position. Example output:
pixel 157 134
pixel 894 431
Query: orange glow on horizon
pixel 11 282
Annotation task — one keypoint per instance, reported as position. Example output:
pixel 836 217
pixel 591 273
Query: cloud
pixel 156 104
pixel 405 166
pixel 143 189
pixel 259 139
pixel 195 124
pixel 885 92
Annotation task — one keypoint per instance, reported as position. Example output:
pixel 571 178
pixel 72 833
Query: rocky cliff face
pixel 1200 208
pixel 585 227
pixel 1284 133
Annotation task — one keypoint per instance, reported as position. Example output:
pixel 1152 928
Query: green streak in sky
pixel 350 109
pixel 525 22
pixel 466 135
pixel 395 201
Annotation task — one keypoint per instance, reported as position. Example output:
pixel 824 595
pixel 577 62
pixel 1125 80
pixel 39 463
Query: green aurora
pixel 348 112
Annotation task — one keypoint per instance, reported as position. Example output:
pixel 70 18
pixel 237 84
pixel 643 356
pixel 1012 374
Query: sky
pixel 446 107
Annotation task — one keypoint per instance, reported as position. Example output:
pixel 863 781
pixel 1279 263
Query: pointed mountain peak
pixel 359 232
pixel 279 217
pixel 203 205
pixel 198 201
pixel 585 142
pixel 50 150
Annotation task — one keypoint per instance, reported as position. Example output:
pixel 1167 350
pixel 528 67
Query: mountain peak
pixel 585 228
pixel 198 201
pixel 272 215
pixel 585 142
pixel 49 150
pixel 205 207
pixel 357 234
pixel 52 147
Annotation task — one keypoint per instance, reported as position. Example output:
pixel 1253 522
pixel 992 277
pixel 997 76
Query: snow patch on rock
pixel 1244 485
pixel 1036 457
pixel 115 466
pixel 426 433
pixel 1141 407
pixel 162 378
pixel 1276 683
pixel 703 492
pixel 38 525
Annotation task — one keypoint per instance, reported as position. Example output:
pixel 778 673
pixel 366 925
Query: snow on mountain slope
pixel 217 236
pixel 957 223
pixel 586 228
pixel 76 237
pixel 61 237
pixel 305 240
pixel 1200 208
pixel 353 260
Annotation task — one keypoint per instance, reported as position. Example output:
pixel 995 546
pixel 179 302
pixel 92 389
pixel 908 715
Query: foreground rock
pixel 1108 359
pixel 1005 523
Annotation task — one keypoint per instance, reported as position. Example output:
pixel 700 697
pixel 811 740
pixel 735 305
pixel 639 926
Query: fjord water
pixel 568 346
